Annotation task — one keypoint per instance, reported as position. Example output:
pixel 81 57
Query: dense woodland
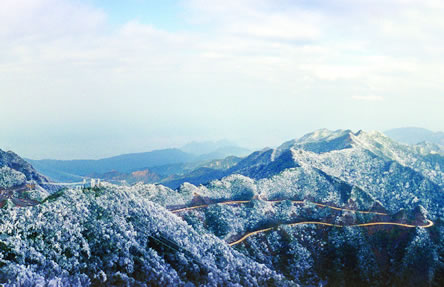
pixel 130 235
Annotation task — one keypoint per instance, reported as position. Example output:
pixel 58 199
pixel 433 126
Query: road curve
pixel 276 201
pixel 248 235
pixel 206 205
pixel 346 209
pixel 429 224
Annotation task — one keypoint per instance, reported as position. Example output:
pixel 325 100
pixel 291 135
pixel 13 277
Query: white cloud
pixel 278 27
pixel 63 64
pixel 34 20
pixel 368 98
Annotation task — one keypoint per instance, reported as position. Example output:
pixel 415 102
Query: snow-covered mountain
pixel 371 160
pixel 115 238
pixel 333 208
pixel 384 168
pixel 353 170
pixel 11 163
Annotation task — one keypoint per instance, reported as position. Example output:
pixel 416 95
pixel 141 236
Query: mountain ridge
pixel 325 141
pixel 13 161
pixel 334 208
pixel 177 159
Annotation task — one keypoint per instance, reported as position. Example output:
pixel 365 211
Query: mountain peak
pixel 323 134
pixel 321 141
pixel 324 140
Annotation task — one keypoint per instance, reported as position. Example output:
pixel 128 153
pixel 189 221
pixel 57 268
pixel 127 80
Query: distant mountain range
pixel 222 147
pixel 345 150
pixel 414 135
pixel 332 208
pixel 158 163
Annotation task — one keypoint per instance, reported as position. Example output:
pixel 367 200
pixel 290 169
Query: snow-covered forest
pixel 134 236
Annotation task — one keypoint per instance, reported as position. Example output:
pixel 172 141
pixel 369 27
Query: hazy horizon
pixel 227 142
pixel 92 78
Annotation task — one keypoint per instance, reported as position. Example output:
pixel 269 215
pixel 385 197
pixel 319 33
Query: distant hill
pixel 212 150
pixel 414 135
pixel 69 170
pixel 155 164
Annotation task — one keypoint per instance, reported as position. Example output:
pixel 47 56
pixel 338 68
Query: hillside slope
pixel 9 160
pixel 114 237
pixel 333 208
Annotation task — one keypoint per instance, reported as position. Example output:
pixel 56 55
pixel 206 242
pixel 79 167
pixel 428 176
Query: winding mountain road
pixel 206 205
pixel 230 202
pixel 429 224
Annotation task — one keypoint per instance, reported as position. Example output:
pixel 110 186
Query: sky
pixel 95 78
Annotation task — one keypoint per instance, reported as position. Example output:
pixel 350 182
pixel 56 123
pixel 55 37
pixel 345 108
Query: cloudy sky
pixel 93 78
